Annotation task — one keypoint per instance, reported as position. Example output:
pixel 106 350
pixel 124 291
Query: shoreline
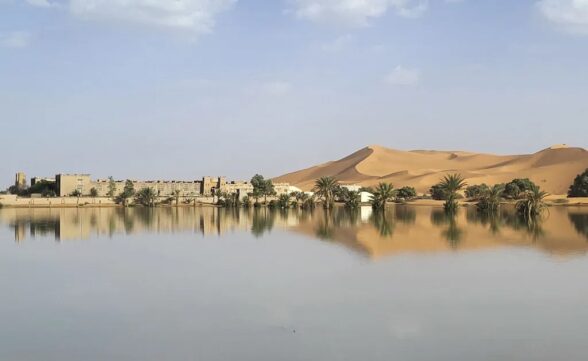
pixel 552 201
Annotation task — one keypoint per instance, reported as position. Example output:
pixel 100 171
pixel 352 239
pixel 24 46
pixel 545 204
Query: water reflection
pixel 374 234
pixel 448 221
pixel 580 222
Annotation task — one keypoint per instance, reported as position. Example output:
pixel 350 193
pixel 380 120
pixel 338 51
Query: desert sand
pixel 553 169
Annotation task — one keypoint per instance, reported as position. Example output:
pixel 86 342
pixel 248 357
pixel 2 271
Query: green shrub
pixel 517 188
pixel 438 193
pixel 476 191
pixel 406 193
pixel 580 186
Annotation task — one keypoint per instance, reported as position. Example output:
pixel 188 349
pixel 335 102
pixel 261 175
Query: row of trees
pixel 531 199
pixel 329 190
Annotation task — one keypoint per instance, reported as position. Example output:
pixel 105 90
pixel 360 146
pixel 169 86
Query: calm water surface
pixel 215 284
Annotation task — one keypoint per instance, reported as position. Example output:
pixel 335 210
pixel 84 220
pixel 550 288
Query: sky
pixel 162 89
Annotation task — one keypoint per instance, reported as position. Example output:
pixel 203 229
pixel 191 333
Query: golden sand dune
pixel 553 168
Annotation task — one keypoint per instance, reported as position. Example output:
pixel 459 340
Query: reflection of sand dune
pixel 403 228
pixel 424 233
pixel 553 168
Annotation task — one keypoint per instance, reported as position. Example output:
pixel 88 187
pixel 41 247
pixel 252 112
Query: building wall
pixel 211 184
pixel 68 183
pixel 162 188
pixel 20 180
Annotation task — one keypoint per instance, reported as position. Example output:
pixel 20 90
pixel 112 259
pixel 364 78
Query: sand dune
pixel 553 168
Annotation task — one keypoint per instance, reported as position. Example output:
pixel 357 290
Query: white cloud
pixel 15 39
pixel 194 15
pixel 572 15
pixel 41 3
pixel 197 16
pixel 276 87
pixel 404 76
pixel 356 12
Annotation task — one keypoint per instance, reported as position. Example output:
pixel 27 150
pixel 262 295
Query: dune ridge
pixel 553 168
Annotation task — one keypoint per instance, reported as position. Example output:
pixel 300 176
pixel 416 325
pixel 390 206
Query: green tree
pixel 43 187
pixel 146 197
pixel 269 189
pixel 518 187
pixel 533 203
pixel 176 194
pixel 127 193
pixel 262 187
pixel 325 187
pixel 111 187
pixel 352 199
pixel 93 192
pixel 406 193
pixel 76 193
pixel 438 193
pixel 476 191
pixel 246 202
pixel 284 201
pixel 382 194
pixel 451 184
pixel 489 200
pixel 580 186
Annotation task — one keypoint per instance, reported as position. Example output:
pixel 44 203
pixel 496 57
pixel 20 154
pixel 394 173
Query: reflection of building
pixel 78 224
pixel 400 229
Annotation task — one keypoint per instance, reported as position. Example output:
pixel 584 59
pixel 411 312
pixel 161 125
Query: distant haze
pixel 234 87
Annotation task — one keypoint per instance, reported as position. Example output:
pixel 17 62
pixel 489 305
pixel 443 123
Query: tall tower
pixel 20 180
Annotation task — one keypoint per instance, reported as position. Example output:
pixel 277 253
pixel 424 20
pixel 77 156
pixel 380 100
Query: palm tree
pixel 383 193
pixel 325 187
pixel 176 193
pixel 352 199
pixel 451 184
pixel 284 201
pixel 146 197
pixel 490 199
pixel 533 203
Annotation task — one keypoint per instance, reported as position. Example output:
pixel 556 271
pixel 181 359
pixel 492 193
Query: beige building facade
pixel 82 185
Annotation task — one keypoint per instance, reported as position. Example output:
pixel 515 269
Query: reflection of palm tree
pixel 404 214
pixel 262 221
pixel 580 222
pixel 531 226
pixel 491 219
pixel 325 229
pixel 452 233
pixel 383 224
pixel 146 215
pixel 127 218
pixel 348 217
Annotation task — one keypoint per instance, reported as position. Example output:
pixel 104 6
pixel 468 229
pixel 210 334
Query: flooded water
pixel 217 284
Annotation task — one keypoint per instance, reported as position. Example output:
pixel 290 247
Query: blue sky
pixel 180 89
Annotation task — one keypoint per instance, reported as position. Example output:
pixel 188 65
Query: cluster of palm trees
pixel 328 189
pixel 531 205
